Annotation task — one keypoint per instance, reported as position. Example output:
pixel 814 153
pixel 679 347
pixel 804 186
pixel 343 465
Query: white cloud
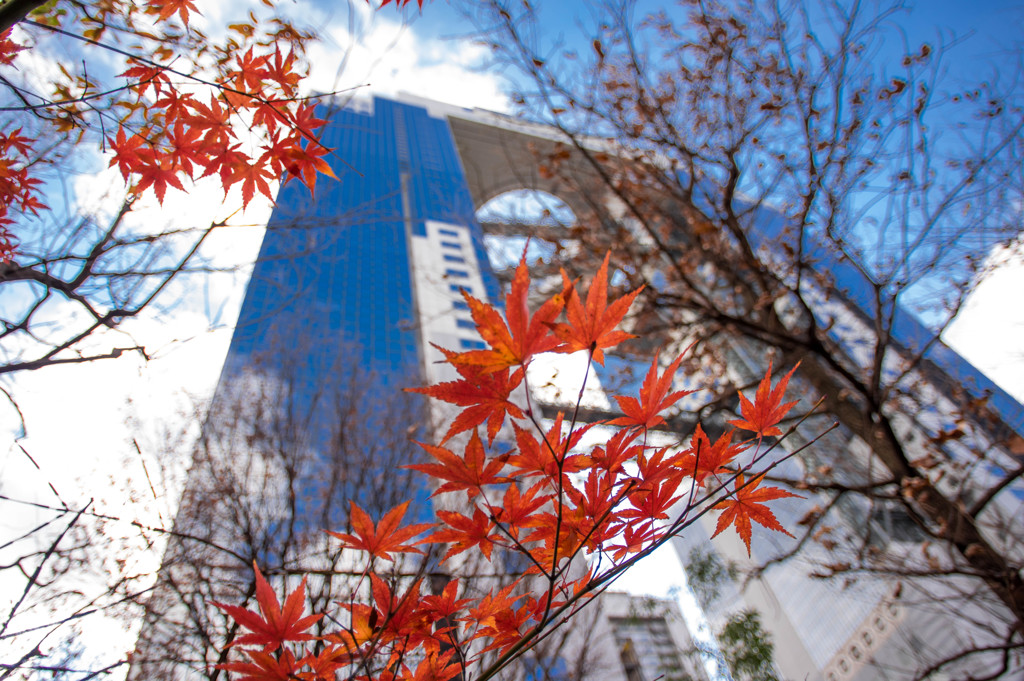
pixel 989 330
pixel 385 57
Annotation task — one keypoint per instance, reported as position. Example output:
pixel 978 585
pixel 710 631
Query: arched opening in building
pixel 512 217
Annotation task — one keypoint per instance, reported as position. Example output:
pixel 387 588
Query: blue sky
pixel 986 32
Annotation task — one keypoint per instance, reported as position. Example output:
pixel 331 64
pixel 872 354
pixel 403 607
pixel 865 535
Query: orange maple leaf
pixel 446 604
pixel 551 455
pixel 516 509
pixel 523 337
pixel 276 625
pixel 252 177
pixel 704 459
pixel 745 505
pixel 387 538
pixel 148 75
pixel 484 396
pixel 464 533
pixel 364 625
pixel 654 398
pixel 468 473
pixel 157 174
pixel 617 451
pixel 491 606
pixel 8 48
pixel 304 162
pixel 165 9
pixel 263 666
pixel 593 327
pixel 767 409
pixel 325 663
pixel 129 154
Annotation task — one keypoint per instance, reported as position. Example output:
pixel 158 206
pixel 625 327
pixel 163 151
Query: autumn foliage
pixel 577 502
pixel 183 107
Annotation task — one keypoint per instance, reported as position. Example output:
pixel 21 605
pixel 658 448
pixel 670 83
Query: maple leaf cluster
pixel 578 514
pixel 186 108
pixel 17 188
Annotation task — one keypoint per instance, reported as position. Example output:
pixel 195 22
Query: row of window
pixel 453 273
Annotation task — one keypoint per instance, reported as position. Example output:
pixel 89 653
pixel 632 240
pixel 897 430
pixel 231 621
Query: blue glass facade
pixel 333 280
pixel 333 293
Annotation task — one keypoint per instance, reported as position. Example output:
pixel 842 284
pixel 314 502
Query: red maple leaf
pixel 223 160
pixel 253 176
pixel 468 473
pixel 464 533
pixel 282 71
pixel 654 398
pixel 176 107
pixel 652 501
pixel 276 625
pixel 127 153
pixel 304 162
pixel 516 509
pixel 404 619
pixel 148 75
pixel 633 538
pixel 523 337
pixel 491 607
pixel 388 537
pixel 270 114
pixel 594 327
pixel 165 9
pixel 399 4
pixel 482 394
pixel 551 455
pixel 248 79
pixel 704 459
pixel 436 667
pixel 263 666
pixel 8 48
pixel 305 122
pixel 593 504
pixel 186 152
pixel 445 604
pixel 157 174
pixel 746 504
pixel 767 409
pixel 618 450
pixel 214 121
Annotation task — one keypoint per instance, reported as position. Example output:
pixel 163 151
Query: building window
pixel 459 274
pixel 467 344
pixel 465 324
pixel 447 232
pixel 452 244
pixel 448 257
pixel 460 305
pixel 457 288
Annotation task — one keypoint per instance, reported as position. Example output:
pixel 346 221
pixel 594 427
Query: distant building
pixel 652 640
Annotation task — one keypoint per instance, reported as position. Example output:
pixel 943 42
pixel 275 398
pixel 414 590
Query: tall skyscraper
pixel 352 289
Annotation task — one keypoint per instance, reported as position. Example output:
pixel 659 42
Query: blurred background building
pixel 350 293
